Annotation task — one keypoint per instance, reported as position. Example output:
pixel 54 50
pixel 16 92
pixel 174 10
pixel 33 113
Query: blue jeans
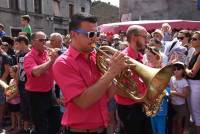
pixel 159 124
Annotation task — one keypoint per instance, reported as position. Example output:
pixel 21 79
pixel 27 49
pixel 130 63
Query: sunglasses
pixel 144 36
pixel 177 68
pixel 89 34
pixel 42 40
pixel 194 39
pixel 180 38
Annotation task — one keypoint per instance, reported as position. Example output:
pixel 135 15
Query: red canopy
pixel 150 25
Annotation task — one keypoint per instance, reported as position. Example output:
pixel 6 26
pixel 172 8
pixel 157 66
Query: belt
pixel 96 130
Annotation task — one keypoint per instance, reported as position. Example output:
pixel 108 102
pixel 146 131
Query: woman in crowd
pixel 193 73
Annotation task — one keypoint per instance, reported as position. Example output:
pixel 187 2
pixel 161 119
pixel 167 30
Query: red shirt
pixel 42 83
pixel 74 74
pixel 139 83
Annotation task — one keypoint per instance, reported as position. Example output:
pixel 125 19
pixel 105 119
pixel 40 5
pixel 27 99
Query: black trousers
pixel 44 114
pixel 134 119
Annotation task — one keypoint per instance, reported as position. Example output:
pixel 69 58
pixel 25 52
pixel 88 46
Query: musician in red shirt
pixel 130 112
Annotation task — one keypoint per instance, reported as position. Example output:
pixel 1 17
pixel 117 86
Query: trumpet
pixel 50 50
pixel 9 90
pixel 156 80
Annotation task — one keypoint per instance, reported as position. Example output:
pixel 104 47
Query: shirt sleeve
pixel 6 60
pixel 29 64
pixel 185 83
pixel 171 82
pixel 69 80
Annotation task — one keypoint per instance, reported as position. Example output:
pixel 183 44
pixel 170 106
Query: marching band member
pixel 84 88
pixel 37 65
pixel 131 112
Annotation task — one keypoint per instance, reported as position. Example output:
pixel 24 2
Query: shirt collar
pixel 38 53
pixel 75 53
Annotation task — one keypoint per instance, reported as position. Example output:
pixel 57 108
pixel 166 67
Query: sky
pixel 112 2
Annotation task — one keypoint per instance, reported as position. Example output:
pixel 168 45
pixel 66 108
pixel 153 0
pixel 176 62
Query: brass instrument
pixel 156 80
pixel 9 90
pixel 50 50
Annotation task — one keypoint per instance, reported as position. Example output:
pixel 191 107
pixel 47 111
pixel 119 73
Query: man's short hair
pixel 26 17
pixel 22 38
pixel 8 39
pixel 133 30
pixel 54 35
pixel 78 18
pixel 35 34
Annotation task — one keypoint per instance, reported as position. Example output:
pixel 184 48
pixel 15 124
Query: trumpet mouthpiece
pixel 93 45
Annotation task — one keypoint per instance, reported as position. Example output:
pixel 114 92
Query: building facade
pixel 159 9
pixel 105 12
pixel 46 15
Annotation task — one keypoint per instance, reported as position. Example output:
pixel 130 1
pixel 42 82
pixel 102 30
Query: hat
pixel 179 64
pixel 5 44
pixel 116 36
pixel 179 50
pixel 197 32
pixel 153 50
pixel 159 32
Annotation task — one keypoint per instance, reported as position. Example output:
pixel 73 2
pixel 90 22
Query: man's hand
pixel 54 53
pixel 117 63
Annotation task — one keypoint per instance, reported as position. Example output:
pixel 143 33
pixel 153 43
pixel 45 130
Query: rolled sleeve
pixel 69 80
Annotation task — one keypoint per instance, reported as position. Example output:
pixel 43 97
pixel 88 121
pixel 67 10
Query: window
pixel 38 6
pixel 61 31
pixel 198 4
pixel 83 9
pixel 71 10
pixel 14 31
pixel 56 8
pixel 13 4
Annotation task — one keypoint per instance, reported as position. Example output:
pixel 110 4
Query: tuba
pixel 9 90
pixel 156 80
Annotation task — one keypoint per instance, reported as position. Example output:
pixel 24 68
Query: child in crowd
pixel 159 121
pixel 13 100
pixel 26 28
pixel 179 92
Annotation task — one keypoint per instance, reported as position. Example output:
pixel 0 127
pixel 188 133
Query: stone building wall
pixel 47 20
pixel 105 12
pixel 160 9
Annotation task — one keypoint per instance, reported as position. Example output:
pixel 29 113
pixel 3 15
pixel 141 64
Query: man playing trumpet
pixel 38 65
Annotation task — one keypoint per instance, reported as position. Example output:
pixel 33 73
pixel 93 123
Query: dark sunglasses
pixel 180 38
pixel 177 68
pixel 153 50
pixel 144 36
pixel 194 39
pixel 89 34
pixel 42 40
